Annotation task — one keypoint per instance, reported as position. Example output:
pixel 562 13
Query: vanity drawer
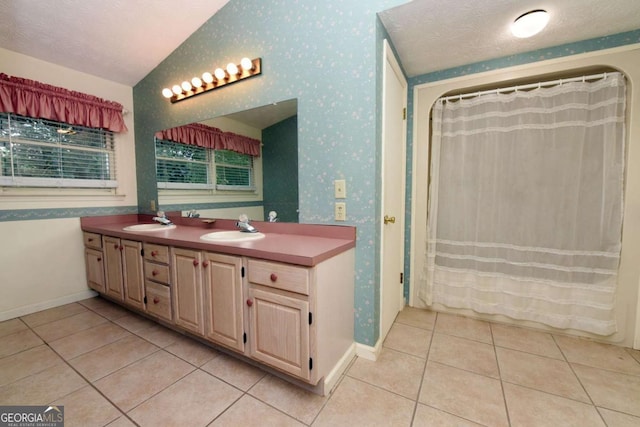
pixel 279 276
pixel 158 299
pixel 157 272
pixel 157 253
pixel 92 240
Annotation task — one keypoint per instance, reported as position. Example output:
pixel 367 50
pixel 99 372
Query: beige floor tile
pixel 192 351
pixel 418 317
pixel 598 355
pixel 105 308
pixel 234 371
pixel 427 416
pixel 465 354
pixel 84 341
pixel 111 357
pixel 355 403
pixel 28 362
pixel 123 421
pixel 533 408
pixel 42 388
pixel 540 373
pixel 290 399
pixel 159 335
pixel 527 340
pixel 464 394
pixel 69 325
pixel 133 322
pixel 394 371
pixel 53 314
pixel 251 412
pixel 618 419
pixel 86 407
pixel 195 400
pixel 408 339
pixel 634 353
pixel 134 384
pixel 611 390
pixel 464 327
pixel 12 326
pixel 18 342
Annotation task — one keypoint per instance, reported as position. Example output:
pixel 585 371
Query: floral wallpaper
pixel 324 54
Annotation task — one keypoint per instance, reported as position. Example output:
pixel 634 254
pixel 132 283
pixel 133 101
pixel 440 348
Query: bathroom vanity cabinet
pixel 294 319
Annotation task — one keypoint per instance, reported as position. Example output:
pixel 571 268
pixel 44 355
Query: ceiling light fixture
pixel 234 73
pixel 530 23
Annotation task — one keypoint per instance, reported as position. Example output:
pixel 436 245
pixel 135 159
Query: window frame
pixel 107 150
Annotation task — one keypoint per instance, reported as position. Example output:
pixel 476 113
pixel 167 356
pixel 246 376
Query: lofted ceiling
pixel 123 40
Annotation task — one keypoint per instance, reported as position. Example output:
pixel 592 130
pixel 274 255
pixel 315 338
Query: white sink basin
pixel 149 227
pixel 233 236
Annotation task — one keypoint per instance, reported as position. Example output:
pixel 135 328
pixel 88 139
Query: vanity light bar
pixel 220 77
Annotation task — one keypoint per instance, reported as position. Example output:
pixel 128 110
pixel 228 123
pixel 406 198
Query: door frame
pixel 390 59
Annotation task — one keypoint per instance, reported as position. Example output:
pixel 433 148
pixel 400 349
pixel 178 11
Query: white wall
pixel 625 59
pixel 41 260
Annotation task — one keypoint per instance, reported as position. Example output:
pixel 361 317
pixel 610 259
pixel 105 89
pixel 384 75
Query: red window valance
pixel 34 99
pixel 210 137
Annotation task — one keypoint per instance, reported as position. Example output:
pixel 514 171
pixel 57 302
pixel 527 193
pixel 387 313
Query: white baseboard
pixel 368 352
pixel 28 309
pixel 333 377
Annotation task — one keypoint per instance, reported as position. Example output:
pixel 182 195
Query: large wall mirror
pixel 275 172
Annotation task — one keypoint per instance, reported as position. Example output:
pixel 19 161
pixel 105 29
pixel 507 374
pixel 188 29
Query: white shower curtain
pixel 525 204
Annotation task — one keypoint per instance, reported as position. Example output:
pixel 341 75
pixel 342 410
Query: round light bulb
pixel 207 77
pixel 232 69
pixel 530 24
pixel 166 92
pixel 196 82
pixel 220 74
pixel 176 89
pixel 186 86
pixel 246 64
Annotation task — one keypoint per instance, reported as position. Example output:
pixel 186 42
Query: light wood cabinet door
pixel 187 296
pixel 114 282
pixel 95 269
pixel 132 273
pixel 279 333
pixel 223 300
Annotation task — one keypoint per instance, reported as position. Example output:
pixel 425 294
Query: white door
pixel 394 130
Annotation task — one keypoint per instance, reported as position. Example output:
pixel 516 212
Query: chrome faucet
pixel 243 224
pixel 162 218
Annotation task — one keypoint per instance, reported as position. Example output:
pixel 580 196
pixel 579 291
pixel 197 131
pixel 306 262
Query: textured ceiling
pixel 123 40
pixel 119 40
pixel 431 35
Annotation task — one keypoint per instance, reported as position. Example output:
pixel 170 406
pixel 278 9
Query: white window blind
pixel 45 153
pixel 182 166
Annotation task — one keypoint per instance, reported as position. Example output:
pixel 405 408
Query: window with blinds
pixel 45 153
pixel 182 166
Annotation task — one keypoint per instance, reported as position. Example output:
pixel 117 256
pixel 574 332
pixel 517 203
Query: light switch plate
pixel 341 211
pixel 340 188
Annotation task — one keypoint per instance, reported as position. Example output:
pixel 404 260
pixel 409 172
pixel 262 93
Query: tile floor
pixel 108 366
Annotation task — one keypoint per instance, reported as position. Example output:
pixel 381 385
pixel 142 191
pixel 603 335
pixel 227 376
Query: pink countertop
pixel 301 244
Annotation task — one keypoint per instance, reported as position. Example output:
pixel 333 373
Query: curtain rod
pixel 524 87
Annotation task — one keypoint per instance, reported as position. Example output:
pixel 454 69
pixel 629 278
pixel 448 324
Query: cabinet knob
pixel 99 259
pixel 249 302
pixel 154 273
pixel 154 253
pixel 121 248
pixel 156 300
pixel 273 277
pixel 90 239
pixel 195 263
pixel 205 263
pixel 116 246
